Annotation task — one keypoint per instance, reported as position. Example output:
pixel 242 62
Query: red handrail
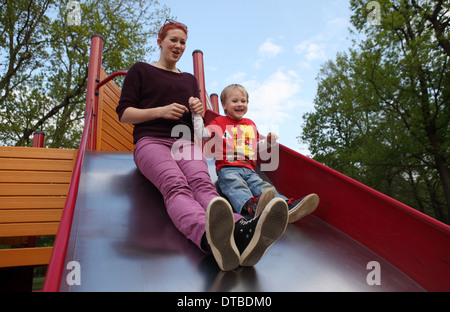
pixel 109 78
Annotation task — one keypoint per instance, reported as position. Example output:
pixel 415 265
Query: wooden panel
pixel 108 147
pixel 36 164
pixel 30 215
pixel 28 229
pixel 31 152
pixel 110 102
pixel 124 134
pixel 25 256
pixel 35 177
pixel 112 134
pixel 33 188
pixel 22 189
pixel 112 141
pixel 30 202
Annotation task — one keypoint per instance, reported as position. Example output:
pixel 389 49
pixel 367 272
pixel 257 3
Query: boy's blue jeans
pixel 241 184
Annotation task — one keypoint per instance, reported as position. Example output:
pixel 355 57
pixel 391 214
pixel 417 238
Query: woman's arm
pixel 133 115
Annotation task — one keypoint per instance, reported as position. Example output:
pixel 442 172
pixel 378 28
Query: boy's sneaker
pixel 255 205
pixel 255 236
pixel 219 233
pixel 302 207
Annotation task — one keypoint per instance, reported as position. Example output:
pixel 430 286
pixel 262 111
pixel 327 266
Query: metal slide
pixel 123 240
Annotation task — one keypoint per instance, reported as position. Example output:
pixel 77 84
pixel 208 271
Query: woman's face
pixel 173 45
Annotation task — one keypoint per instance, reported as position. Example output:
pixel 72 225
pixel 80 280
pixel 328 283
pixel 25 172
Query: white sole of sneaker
pixel 220 234
pixel 304 208
pixel 271 226
pixel 265 198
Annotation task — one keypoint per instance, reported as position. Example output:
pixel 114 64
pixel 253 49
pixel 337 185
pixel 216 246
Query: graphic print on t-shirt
pixel 244 142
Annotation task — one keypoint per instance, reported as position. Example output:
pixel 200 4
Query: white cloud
pixel 325 44
pixel 312 50
pixel 267 50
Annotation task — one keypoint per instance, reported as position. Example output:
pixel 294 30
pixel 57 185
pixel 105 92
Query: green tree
pixel 44 60
pixel 383 109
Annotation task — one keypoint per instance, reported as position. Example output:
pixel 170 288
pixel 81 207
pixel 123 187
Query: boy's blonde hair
pixel 227 90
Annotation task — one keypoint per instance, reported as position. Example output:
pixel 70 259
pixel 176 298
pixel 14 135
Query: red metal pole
pixel 95 64
pixel 215 102
pixel 199 73
pixel 39 142
pixel 38 138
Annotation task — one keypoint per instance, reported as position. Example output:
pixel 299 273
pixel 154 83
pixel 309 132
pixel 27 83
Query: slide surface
pixel 123 240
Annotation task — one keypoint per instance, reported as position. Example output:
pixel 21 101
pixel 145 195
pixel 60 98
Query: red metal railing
pixel 109 78
pixel 38 138
pixel 215 102
pixel 199 73
pixel 95 66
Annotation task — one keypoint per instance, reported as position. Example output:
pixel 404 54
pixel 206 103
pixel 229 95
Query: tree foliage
pixel 382 109
pixel 44 60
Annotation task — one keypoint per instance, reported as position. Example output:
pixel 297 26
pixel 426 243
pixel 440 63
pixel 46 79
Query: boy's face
pixel 236 104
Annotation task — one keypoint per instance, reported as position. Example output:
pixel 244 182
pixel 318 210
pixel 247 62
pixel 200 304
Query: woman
pixel 158 97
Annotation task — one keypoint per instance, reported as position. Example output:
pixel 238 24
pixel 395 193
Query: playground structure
pixel 115 228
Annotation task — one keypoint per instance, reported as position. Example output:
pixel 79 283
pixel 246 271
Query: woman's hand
pixel 173 111
pixel 196 105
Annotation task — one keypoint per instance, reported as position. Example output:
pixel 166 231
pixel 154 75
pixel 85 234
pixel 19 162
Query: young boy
pixel 236 159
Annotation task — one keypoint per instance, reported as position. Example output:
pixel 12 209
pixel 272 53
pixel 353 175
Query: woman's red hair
pixel 163 31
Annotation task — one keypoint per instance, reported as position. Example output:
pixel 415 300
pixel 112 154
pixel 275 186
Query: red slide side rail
pixel 415 243
pixel 56 265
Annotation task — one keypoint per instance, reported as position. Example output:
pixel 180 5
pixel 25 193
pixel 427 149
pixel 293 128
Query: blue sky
pixel 273 48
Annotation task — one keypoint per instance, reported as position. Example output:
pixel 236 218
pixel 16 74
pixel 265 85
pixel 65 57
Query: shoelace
pixel 254 200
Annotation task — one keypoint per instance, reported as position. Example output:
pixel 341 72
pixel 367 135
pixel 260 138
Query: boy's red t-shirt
pixel 235 142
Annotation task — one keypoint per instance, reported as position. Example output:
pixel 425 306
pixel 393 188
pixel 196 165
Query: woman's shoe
pixel 219 233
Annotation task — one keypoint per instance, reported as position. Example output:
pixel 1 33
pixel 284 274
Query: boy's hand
pixel 272 138
pixel 196 105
